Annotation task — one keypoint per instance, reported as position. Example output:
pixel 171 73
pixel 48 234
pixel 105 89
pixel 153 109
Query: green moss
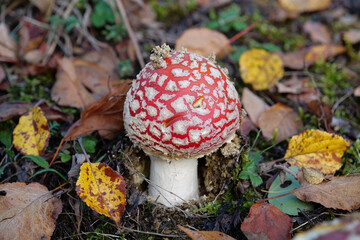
pixel 34 88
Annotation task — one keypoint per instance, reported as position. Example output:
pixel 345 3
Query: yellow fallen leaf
pixel 102 189
pixel 260 68
pixel 304 5
pixel 317 149
pixel 313 175
pixel 31 135
pixel 205 235
pixel 322 52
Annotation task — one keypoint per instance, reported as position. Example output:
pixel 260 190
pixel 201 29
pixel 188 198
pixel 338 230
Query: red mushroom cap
pixel 181 105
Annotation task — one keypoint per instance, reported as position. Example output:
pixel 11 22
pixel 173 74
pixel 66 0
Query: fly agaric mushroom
pixel 181 107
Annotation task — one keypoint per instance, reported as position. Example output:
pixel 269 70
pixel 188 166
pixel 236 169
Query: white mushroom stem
pixel 173 182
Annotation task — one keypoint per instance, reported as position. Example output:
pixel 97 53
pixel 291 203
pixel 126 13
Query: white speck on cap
pixel 171 86
pixel 178 72
pixel 150 93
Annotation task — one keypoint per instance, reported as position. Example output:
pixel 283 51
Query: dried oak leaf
pixel 253 104
pixel 260 68
pixel 27 211
pixel 318 32
pixel 317 149
pixel 205 235
pixel 338 193
pixel 281 118
pixel 31 135
pixel 204 42
pixel 304 5
pixel 102 189
pixel 105 116
pixel 266 222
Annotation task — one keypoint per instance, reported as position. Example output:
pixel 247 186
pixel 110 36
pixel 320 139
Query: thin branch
pixel 131 33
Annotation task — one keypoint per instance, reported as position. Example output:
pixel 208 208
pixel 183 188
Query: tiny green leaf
pixel 38 160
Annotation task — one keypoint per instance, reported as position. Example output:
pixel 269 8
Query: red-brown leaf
pixel 266 222
pixel 205 235
pixel 105 116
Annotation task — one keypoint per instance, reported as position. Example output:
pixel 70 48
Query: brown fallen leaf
pixel 45 6
pixel 246 126
pixel 27 211
pixel 82 81
pixel 253 105
pixel 68 90
pixel 346 227
pixel 338 193
pixel 322 112
pixel 306 57
pixel 205 235
pixel 282 118
pixel 294 85
pixel 8 46
pixel 357 91
pixel 318 32
pixel 204 42
pixel 294 60
pixel 10 110
pixel 265 221
pixel 4 84
pixel 304 5
pixel 352 36
pixel 105 116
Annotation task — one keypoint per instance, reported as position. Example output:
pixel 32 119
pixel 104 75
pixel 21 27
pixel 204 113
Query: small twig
pixel 285 169
pixel 240 34
pixel 131 33
pixel 340 100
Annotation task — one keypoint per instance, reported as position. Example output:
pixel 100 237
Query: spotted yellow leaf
pixel 102 189
pixel 317 149
pixel 260 68
pixel 31 135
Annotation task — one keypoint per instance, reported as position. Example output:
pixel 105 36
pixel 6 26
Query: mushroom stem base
pixel 173 182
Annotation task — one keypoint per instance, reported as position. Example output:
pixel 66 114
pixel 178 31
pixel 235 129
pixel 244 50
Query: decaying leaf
pixel 68 90
pixel 102 189
pixel 27 211
pixel 282 119
pixel 304 5
pixel 288 203
pixel 313 175
pixel 205 235
pixel 340 228
pixel 105 116
pixel 338 193
pixel 322 112
pixel 318 32
pixel 80 82
pixel 266 222
pixel 8 46
pixel 253 104
pixel 260 68
pixel 204 42
pixel 352 36
pixel 357 91
pixel 45 6
pixel 31 135
pixel 317 149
